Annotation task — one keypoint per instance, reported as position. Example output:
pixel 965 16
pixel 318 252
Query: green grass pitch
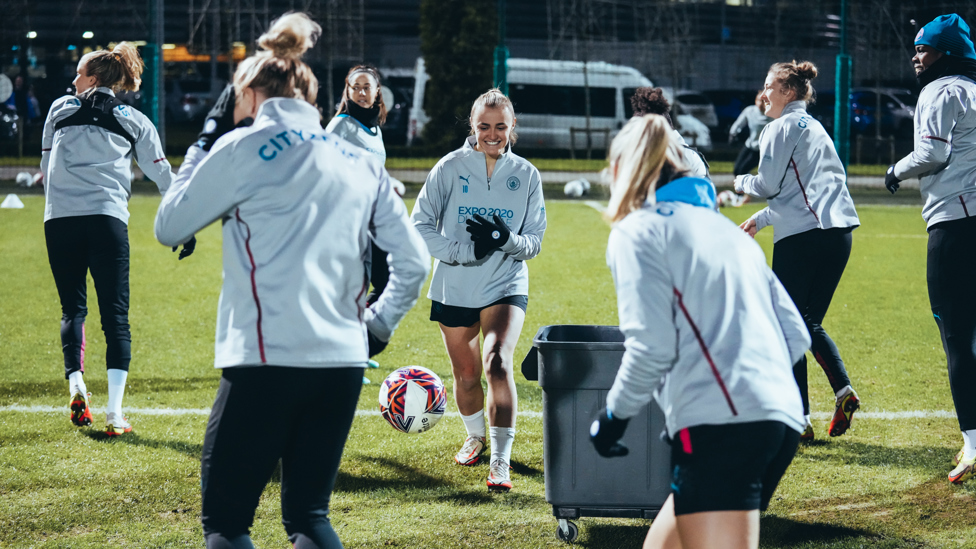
pixel 881 485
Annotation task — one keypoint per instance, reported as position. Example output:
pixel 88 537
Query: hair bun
pixel 290 36
pixel 806 70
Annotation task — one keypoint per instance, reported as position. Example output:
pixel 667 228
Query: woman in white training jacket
pixel 90 140
pixel 482 215
pixel 812 215
pixel 685 278
pixel 297 206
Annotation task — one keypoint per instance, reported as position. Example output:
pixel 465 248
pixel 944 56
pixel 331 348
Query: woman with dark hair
pixel 90 140
pixel 298 208
pixel 944 161
pixel 813 216
pixel 652 101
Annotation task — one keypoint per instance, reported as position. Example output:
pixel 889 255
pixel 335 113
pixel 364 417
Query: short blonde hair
pixel 495 99
pixel 638 155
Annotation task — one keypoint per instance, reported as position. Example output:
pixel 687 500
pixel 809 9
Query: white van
pixel 549 99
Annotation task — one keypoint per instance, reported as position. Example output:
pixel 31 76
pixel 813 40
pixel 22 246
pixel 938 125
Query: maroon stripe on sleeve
pixel 159 160
pixel 936 138
pixel 964 208
pixel 704 348
pixel 804 191
pixel 254 284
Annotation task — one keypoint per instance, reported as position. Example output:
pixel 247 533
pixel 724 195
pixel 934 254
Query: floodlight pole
pixel 154 105
pixel 501 52
pixel 842 102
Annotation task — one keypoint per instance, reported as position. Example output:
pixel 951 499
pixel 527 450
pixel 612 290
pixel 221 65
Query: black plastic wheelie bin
pixel 576 366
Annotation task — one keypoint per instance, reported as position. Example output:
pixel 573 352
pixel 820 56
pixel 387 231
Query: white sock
pixel 807 417
pixel 844 391
pixel 76 383
pixel 968 442
pixel 475 423
pixel 116 390
pixel 501 443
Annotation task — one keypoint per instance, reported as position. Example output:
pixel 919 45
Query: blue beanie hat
pixel 948 34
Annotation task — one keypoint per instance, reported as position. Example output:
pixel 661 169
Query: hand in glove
pixel 487 235
pixel 188 247
pixel 220 120
pixel 605 433
pixel 376 345
pixel 891 182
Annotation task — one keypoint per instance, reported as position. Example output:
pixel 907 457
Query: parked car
pixel 698 105
pixel 550 103
pixel 398 84
pixel 728 105
pixel 188 100
pixel 897 110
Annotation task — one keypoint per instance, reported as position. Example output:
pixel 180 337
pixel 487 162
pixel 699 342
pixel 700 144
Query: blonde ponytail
pixel 637 156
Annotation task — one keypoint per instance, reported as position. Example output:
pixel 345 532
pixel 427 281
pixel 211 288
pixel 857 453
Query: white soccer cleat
pixel 470 451
pixel 117 424
pixel 498 476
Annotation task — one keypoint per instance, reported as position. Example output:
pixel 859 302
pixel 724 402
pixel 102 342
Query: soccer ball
pixel 25 179
pixel 729 199
pixel 412 399
pixel 574 189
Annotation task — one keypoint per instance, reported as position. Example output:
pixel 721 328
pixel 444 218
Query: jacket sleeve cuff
pixel 511 245
pixel 466 253
pixel 376 326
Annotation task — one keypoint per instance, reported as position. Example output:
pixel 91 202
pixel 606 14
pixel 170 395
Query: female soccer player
pixel 751 117
pixel 944 161
pixel 652 101
pixel 732 410
pixel 89 142
pixel 297 207
pixel 482 215
pixel 361 113
pixel 812 214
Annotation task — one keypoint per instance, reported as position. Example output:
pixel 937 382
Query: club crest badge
pixel 513 183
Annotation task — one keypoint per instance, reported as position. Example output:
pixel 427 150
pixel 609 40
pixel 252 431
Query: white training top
pixel 355 132
pixel 755 120
pixel 709 330
pixel 696 166
pixel 944 159
pixel 298 206
pixel 456 189
pixel 801 177
pixel 88 169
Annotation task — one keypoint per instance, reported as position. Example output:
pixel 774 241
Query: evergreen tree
pixel 457 40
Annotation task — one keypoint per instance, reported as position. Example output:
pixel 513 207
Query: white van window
pixel 562 100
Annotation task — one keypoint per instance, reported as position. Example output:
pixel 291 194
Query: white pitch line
pixel 181 411
pixel 596 205
pixel 912 414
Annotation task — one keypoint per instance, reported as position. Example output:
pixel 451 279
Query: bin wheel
pixel 571 532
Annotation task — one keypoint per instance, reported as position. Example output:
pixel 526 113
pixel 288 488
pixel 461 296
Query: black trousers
pixel 810 266
pixel 746 161
pixel 952 294
pixel 99 244
pixel 264 414
pixel 379 272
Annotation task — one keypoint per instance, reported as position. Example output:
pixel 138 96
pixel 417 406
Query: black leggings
pixel 952 295
pixel 100 244
pixel 263 414
pixel 810 266
pixel 746 161
pixel 379 273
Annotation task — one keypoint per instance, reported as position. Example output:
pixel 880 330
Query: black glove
pixel 487 236
pixel 891 182
pixel 605 433
pixel 376 345
pixel 188 247
pixel 220 120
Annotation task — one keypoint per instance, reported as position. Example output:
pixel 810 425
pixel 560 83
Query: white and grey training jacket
pixel 88 169
pixel 709 330
pixel 298 207
pixel 944 159
pixel 693 161
pixel 456 189
pixel 801 177
pixel 755 120
pixel 355 132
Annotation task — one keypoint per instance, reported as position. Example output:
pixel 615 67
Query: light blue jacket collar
pixel 690 190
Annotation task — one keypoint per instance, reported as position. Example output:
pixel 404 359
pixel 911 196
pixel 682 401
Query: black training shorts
pixel 463 317
pixel 732 467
